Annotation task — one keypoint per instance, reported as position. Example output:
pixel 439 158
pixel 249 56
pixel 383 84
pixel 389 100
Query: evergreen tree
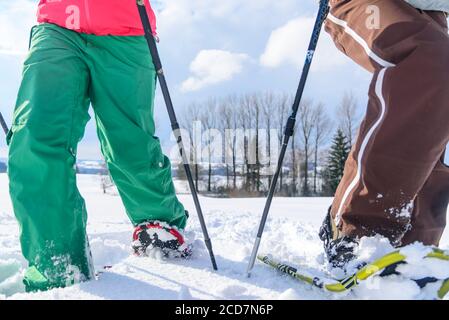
pixel 337 158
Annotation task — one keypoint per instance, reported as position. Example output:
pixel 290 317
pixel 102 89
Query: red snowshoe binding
pixel 158 235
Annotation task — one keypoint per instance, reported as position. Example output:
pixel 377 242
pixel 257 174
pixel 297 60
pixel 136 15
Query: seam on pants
pixel 76 102
pixel 360 41
pixel 30 39
pixel 379 93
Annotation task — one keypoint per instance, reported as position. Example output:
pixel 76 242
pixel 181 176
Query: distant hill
pixel 2 167
pixel 83 167
pixel 91 167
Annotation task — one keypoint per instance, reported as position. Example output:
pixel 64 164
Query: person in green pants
pixel 66 71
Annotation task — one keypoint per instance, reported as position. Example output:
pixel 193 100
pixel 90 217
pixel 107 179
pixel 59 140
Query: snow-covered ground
pixel 291 235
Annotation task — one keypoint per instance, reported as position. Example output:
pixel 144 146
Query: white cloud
pixel 212 67
pixel 198 19
pixel 288 45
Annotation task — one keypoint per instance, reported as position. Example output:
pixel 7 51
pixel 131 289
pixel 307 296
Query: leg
pixel 405 130
pixel 430 210
pixel 122 94
pixel 49 120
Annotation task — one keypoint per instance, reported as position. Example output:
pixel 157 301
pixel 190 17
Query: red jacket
pixel 100 17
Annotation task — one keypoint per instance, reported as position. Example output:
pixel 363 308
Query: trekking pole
pixel 174 122
pixel 3 124
pixel 290 126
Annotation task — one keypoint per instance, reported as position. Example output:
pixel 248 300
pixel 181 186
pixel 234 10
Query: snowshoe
pixel 382 267
pixel 339 249
pixel 158 235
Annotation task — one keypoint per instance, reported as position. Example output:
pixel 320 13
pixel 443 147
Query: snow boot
pixel 158 235
pixel 339 249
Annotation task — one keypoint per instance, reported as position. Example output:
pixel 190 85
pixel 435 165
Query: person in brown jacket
pixel 395 182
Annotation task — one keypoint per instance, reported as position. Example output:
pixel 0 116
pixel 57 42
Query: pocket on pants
pixel 31 36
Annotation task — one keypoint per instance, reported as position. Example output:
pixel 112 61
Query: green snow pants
pixel 64 72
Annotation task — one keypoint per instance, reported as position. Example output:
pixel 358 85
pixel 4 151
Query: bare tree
pixel 246 121
pixel 209 120
pixel 267 102
pixel 233 102
pixel 348 115
pixel 294 171
pixel 322 129
pixel 234 144
pixel 228 125
pixel 281 108
pixel 191 115
pixel 257 118
pixel 306 116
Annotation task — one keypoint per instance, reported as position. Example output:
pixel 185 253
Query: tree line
pixel 233 144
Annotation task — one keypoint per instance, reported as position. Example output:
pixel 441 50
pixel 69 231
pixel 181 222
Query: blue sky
pixel 260 45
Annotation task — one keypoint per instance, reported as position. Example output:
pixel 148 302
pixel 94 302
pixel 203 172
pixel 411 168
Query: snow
pixel 290 235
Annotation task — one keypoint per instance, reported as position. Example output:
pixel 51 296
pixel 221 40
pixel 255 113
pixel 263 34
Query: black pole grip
pixel 290 127
pixel 149 36
pixel 3 124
